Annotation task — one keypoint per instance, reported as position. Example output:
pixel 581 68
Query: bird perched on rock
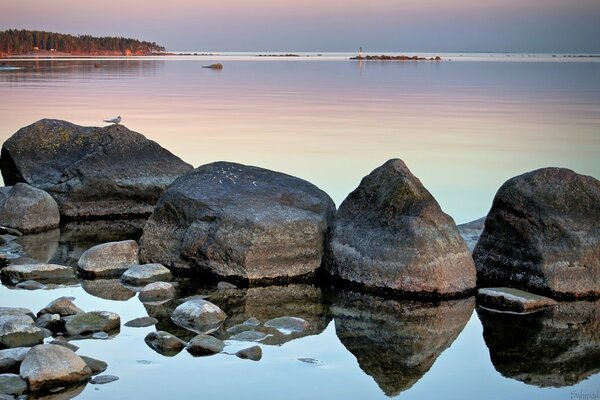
pixel 114 120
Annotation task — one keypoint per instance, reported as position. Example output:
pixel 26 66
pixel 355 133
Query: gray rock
pixel 471 231
pixel 100 335
pixel 66 344
pixel 249 336
pixel 19 331
pixel 91 172
pixel 204 345
pixel 252 321
pixel 92 322
pixel 12 384
pixel 62 306
pixel 225 286
pixel 109 289
pixel 30 285
pixel 288 325
pixel 157 291
pixel 48 365
pixel 103 379
pixel 141 322
pixel 239 328
pixel 542 235
pixel 10 359
pixel 199 316
pixel 51 322
pixel 28 209
pixel 164 343
pixel 253 353
pixel 108 259
pixel 512 299
pixel 5 311
pixel 97 366
pixel 391 235
pixel 38 272
pixel 147 273
pixel 239 222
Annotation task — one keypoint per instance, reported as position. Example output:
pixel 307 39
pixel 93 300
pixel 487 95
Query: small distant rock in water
pixel 203 345
pixel 146 273
pixel 252 321
pixel 97 366
pixel 141 322
pixel 103 379
pixel 164 343
pixel 100 335
pixel 200 316
pixel 288 325
pixel 253 353
pixel 214 66
pixel 109 259
pixel 512 299
pixel 309 360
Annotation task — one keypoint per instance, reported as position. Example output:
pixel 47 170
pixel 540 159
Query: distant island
pixel 14 42
pixel 384 57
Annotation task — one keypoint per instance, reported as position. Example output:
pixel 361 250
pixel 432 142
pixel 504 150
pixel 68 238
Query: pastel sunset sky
pixel 569 26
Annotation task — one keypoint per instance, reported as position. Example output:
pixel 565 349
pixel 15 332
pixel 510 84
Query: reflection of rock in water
pixel 397 341
pixel 109 289
pixel 38 248
pixel 77 237
pixel 550 348
pixel 263 303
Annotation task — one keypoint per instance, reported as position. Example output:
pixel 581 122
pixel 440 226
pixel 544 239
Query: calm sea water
pixel 463 126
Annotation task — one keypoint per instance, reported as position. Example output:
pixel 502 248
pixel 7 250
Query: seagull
pixel 114 120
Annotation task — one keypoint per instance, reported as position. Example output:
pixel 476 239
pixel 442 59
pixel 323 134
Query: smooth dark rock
pixel 239 223
pixel 27 209
pixel 92 322
pixel 47 365
pixel 10 359
pixel 542 235
pixel 97 366
pixel 62 306
pixel 164 343
pixel 157 291
pixel 109 289
pixel 141 322
pixel 555 347
pixel 91 172
pixel 12 384
pixel 512 299
pixel 103 379
pixel 108 259
pixel 253 353
pixel 19 331
pixel 38 272
pixel 140 275
pixel 51 322
pixel 391 235
pixel 199 316
pixel 397 341
pixel 204 345
pixel 66 344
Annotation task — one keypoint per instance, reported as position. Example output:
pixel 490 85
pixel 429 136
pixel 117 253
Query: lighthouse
pixel 360 56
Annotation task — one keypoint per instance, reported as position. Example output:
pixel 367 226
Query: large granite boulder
pixel 91 172
pixel 27 209
pixel 239 222
pixel 542 234
pixel 391 235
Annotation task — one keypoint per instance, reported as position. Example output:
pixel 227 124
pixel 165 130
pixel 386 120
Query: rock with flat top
pixel 27 209
pixel 38 272
pixel 502 298
pixel 140 275
pixel 92 322
pixel 108 259
pixel 91 172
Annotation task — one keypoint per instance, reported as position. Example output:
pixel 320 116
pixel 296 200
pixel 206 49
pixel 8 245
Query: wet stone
pixel 252 321
pixel 109 289
pixel 52 322
pixel 234 330
pixel 12 384
pixel 10 359
pixel 38 272
pixel 19 331
pixel 253 353
pixel 4 311
pixel 62 306
pixel 65 344
pixel 164 343
pixel 141 322
pixel 109 259
pixel 140 275
pixel 203 345
pixel 157 291
pixel 225 286
pixel 92 322
pixel 97 366
pixel 103 379
pixel 502 298
pixel 200 316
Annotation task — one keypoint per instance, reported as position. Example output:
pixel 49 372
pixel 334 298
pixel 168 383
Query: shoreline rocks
pixel 391 235
pixel 239 223
pixel 542 235
pixel 91 172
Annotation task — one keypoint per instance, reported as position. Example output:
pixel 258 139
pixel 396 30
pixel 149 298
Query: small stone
pixel 146 273
pixel 252 321
pixel 503 298
pixel 234 330
pixel 62 306
pixel 225 286
pixel 288 325
pixel 30 285
pixel 92 322
pixel 253 353
pixel 141 322
pixel 109 259
pixel 12 384
pixel 164 343
pixel 157 291
pixel 65 344
pixel 249 336
pixel 204 345
pixel 200 316
pixel 103 379
pixel 100 335
pixel 309 360
pixel 97 366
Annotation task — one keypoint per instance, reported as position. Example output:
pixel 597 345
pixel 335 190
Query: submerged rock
pixel 164 343
pixel 38 272
pixel 104 379
pixel 146 273
pixel 200 316
pixel 27 209
pixel 542 234
pixel 47 365
pixel 253 353
pixel 555 347
pixel 239 222
pixel 204 345
pixel 397 341
pixel 92 322
pixel 91 172
pixel 512 299
pixel 391 234
pixel 109 259
pixel 157 291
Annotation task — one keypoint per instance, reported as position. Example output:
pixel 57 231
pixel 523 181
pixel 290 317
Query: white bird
pixel 114 120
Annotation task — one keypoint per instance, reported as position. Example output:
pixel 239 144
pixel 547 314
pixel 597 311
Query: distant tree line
pixel 24 41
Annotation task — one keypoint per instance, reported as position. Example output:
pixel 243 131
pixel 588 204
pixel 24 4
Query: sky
pixel 552 26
